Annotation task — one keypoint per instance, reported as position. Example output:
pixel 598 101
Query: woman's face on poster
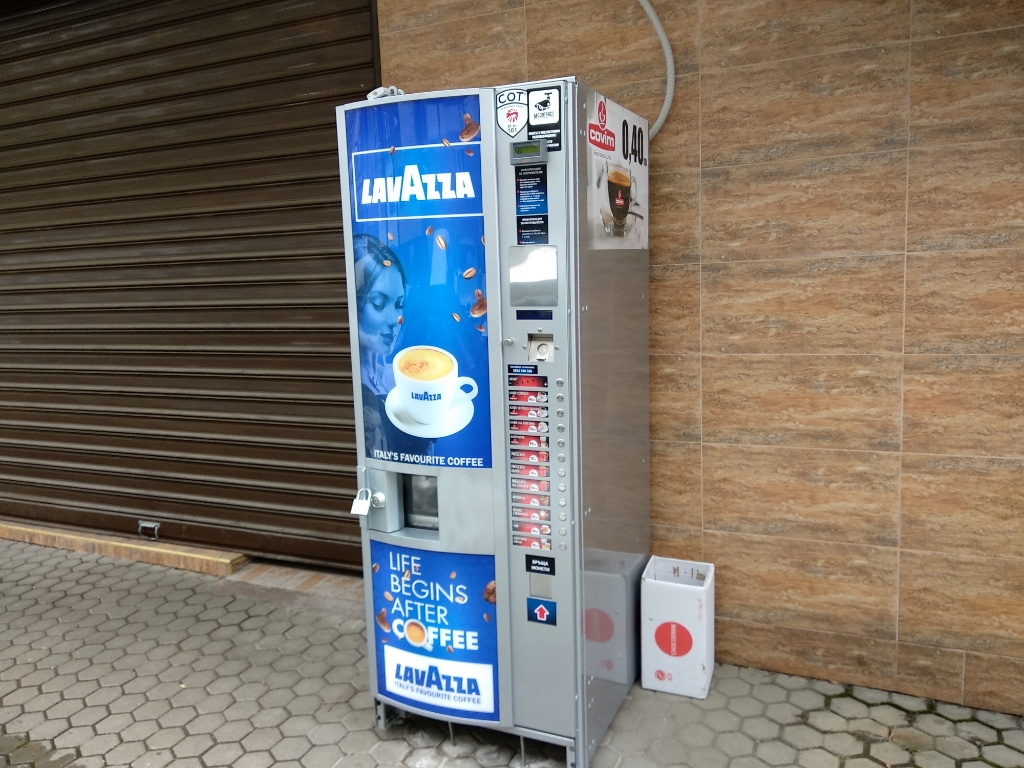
pixel 380 317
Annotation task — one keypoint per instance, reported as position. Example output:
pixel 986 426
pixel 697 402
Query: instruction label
pixel 546 116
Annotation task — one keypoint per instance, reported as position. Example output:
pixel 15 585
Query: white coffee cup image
pixel 428 384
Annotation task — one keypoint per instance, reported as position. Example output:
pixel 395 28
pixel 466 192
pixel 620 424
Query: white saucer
pixel 455 420
pixel 609 223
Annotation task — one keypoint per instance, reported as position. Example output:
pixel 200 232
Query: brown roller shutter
pixel 173 327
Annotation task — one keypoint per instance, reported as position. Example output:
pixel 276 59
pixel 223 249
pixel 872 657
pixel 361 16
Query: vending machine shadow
pixel 496 263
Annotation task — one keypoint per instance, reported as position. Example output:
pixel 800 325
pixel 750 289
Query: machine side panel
pixel 613 397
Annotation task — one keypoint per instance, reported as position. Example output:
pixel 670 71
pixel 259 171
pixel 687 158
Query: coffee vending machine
pixel 497 271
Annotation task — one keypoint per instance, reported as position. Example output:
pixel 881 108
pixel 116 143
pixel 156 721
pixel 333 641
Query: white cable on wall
pixel 670 67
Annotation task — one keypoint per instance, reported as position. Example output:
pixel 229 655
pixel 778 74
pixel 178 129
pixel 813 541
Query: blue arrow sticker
pixel 542 611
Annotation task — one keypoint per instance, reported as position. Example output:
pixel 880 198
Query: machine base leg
pixel 386 715
pixel 570 757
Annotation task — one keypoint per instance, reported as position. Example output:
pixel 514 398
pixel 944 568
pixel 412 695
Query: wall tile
pixel 796 208
pixel 962 602
pixel 836 305
pixel 934 18
pixel 934 673
pixel 675 398
pixel 675 218
pixel 804 584
pixel 803 401
pixel 608 43
pixel 677 144
pixel 675 309
pixel 809 107
pixel 486 50
pixel 994 682
pixel 738 32
pixel 967 88
pixel 839 496
pixel 677 542
pixel 675 484
pixel 397 15
pixel 964 404
pixel 823 655
pixel 963 504
pixel 966 196
pixel 965 301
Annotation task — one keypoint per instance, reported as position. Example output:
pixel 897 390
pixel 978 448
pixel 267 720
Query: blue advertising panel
pixel 418 249
pixel 435 630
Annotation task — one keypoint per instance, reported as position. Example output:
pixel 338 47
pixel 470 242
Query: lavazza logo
pixel 426 396
pixel 598 134
pixel 511 111
pixel 419 186
pixel 457 685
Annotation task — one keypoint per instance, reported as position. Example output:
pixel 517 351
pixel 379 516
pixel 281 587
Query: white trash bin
pixel 677 626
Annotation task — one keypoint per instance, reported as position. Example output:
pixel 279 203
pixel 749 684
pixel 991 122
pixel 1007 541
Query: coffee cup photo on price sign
pixel 617 189
pixel 420 281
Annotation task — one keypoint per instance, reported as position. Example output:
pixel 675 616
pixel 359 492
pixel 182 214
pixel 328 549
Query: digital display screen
pixel 525 150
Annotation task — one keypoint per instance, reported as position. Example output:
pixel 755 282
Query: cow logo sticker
pixel 512 111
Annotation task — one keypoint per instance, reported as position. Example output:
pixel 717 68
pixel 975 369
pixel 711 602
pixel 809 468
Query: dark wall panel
pixel 173 321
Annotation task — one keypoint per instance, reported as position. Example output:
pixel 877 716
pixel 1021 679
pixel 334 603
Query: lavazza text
pixel 414 185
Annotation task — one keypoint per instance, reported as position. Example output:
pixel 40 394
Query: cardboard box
pixel 677 626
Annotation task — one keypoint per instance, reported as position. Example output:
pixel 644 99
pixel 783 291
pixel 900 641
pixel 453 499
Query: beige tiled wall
pixel 837 316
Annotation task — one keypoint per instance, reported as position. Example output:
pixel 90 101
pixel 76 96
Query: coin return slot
pixel 419 497
pixel 541 586
pixel 541 347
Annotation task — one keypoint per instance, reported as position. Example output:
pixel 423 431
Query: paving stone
pixel 802 736
pixel 912 739
pixel 783 714
pixel 709 757
pixel 817 758
pixel 807 699
pixel 848 707
pixel 325 757
pixel 888 752
pixel 1014 739
pixel 775 753
pixel 1003 756
pixel 760 728
pixel 826 721
pixel 870 728
pixel 746 706
pixel 932 759
pixel 734 744
pixel 956 747
pixel 997 719
pixel 720 720
pixel 934 725
pixel 888 715
pixel 843 744
pixel 859 762
pixel 976 732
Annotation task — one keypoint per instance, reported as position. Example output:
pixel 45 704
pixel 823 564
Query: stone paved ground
pixel 105 662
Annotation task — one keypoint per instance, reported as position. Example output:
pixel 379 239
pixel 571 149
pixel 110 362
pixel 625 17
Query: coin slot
pixel 541 347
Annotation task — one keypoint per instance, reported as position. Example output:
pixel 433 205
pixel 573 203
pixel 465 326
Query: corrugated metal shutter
pixel 173 328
